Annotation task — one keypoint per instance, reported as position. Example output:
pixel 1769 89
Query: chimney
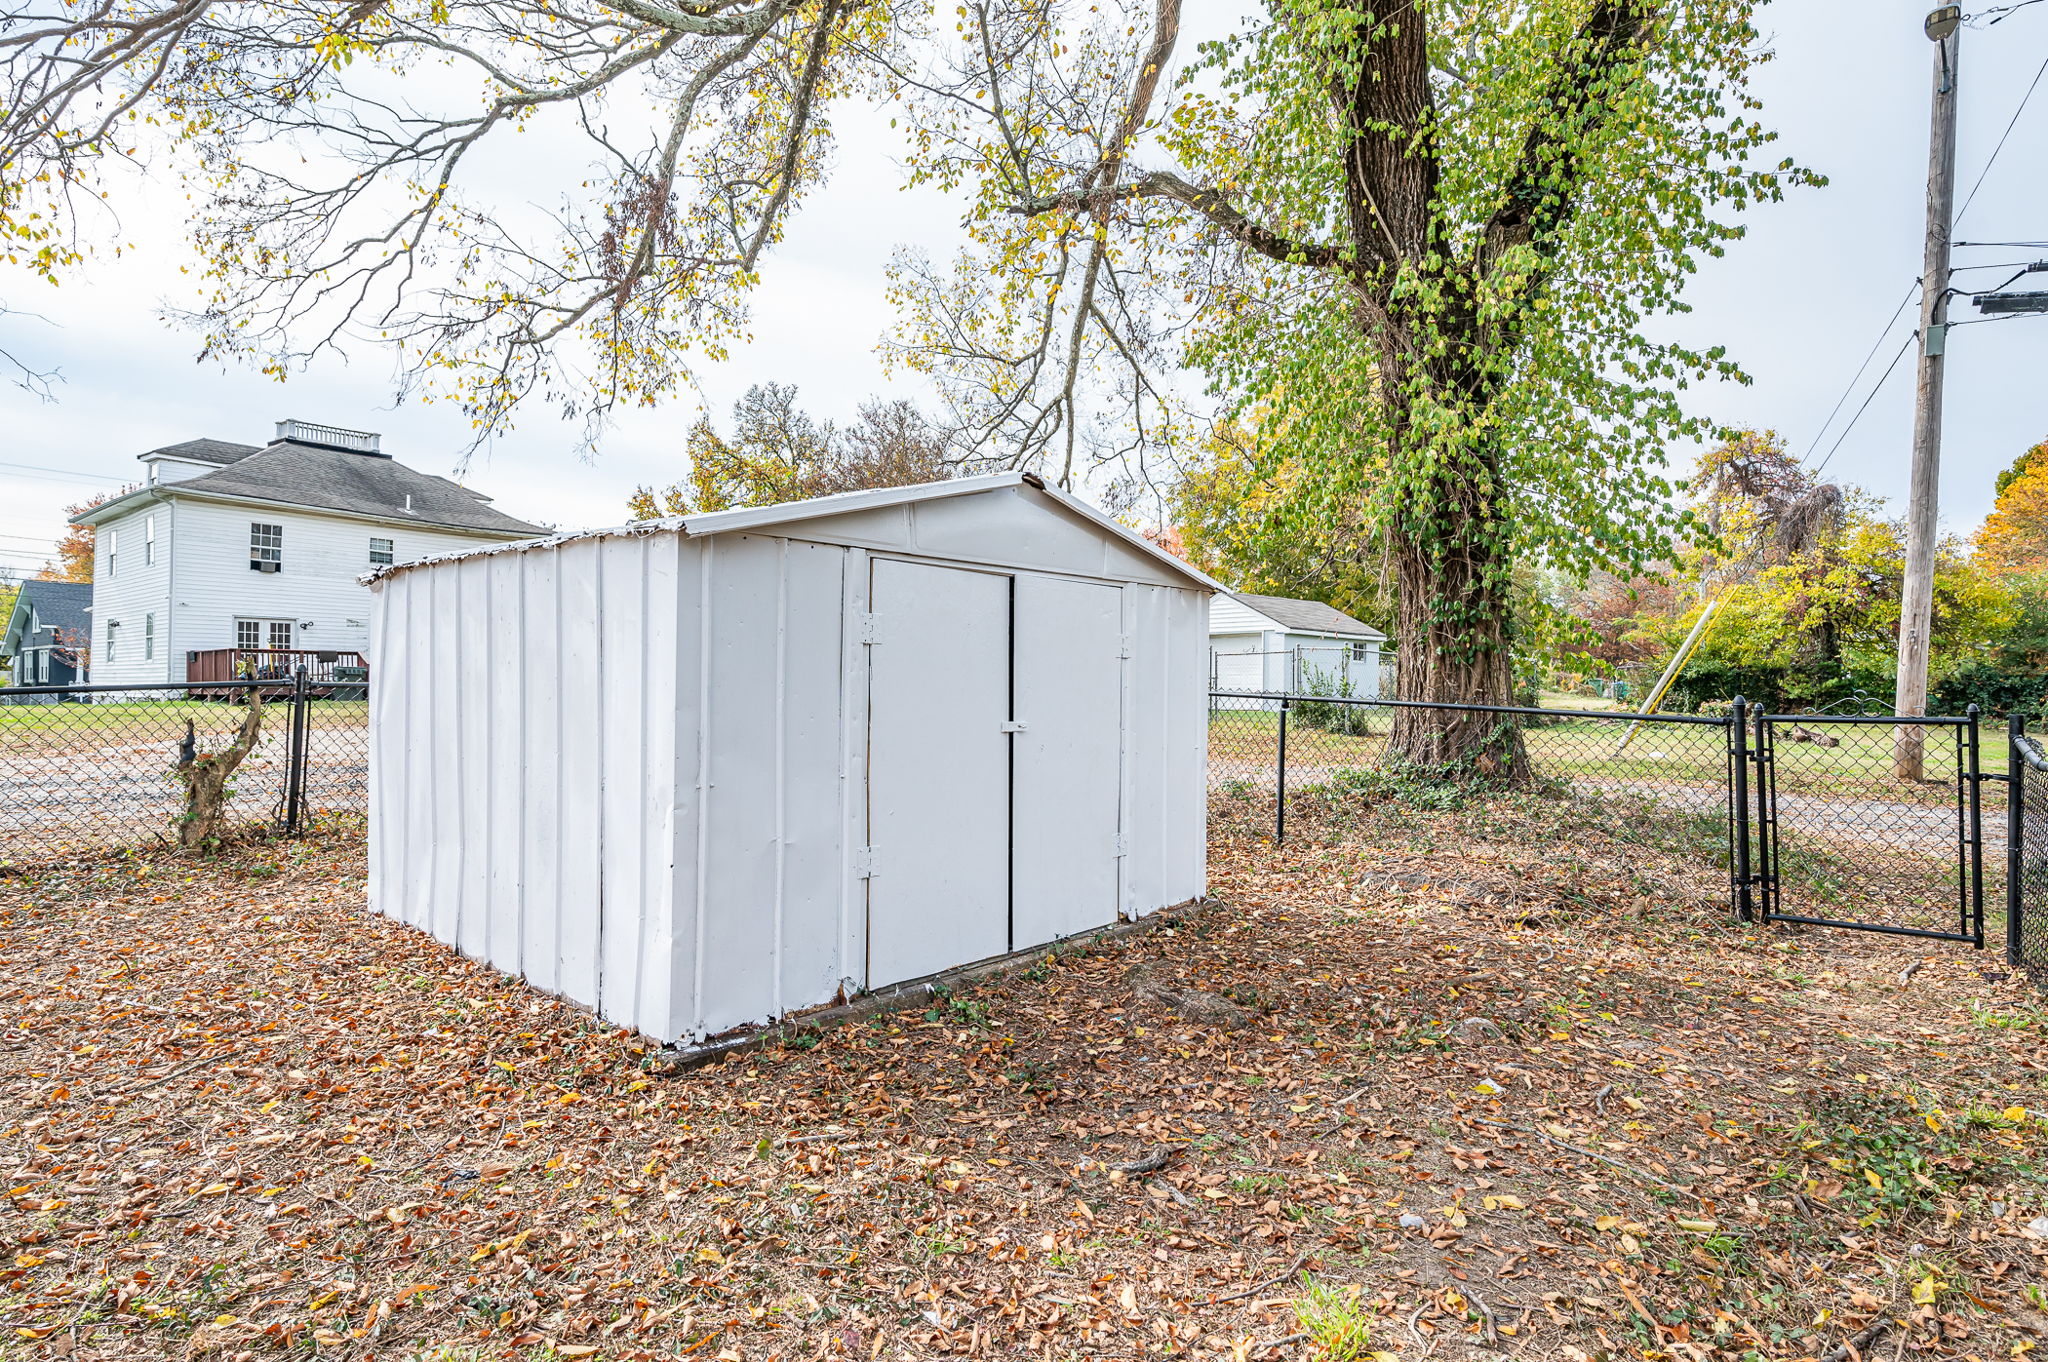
pixel 329 437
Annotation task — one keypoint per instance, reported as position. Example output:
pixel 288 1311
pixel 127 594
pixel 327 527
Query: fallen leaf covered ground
pixel 1513 1085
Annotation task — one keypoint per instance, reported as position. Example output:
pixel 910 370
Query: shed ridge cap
pixel 783 513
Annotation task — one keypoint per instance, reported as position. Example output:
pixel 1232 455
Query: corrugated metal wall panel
pixel 686 832
pixel 416 795
pixel 442 683
pixel 1145 750
pixel 812 793
pixel 1187 736
pixel 853 770
pixel 625 633
pixel 537 653
pixel 504 712
pixel 655 973
pixel 581 736
pixel 471 779
pixel 387 753
pixel 738 926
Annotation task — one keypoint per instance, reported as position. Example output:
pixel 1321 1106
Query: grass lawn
pixel 45 728
pixel 1511 1085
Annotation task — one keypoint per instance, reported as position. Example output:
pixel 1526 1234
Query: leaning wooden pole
pixel 1678 661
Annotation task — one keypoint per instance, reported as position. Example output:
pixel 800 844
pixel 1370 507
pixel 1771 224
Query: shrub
pixel 1352 720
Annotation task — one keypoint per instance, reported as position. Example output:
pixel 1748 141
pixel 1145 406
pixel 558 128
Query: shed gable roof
pixel 788 518
pixel 1312 617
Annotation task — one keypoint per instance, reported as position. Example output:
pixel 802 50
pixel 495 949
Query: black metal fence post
pixel 1975 926
pixel 1280 778
pixel 295 757
pixel 2015 831
pixel 1738 802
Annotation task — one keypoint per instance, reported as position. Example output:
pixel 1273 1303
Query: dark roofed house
pixel 44 639
pixel 236 560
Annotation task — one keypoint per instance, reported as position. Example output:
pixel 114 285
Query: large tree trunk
pixel 1455 628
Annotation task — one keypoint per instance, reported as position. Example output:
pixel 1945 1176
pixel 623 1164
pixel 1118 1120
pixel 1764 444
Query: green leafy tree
pixel 1242 525
pixel 1423 239
pixel 778 452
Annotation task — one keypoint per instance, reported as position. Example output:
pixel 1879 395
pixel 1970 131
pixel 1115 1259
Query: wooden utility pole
pixel 1916 607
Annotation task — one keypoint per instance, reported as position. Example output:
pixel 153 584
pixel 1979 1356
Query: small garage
pixel 700 773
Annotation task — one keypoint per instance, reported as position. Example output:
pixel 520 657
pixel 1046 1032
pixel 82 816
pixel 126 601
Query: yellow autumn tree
pixel 2014 537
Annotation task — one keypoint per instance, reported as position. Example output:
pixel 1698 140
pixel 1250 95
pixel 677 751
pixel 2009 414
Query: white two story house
pixel 236 560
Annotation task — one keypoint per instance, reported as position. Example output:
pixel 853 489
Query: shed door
pixel 938 769
pixel 1069 756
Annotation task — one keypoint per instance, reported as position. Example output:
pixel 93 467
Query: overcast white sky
pixel 1800 304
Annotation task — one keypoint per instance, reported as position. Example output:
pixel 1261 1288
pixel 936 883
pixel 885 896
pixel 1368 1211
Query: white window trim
pixel 266 552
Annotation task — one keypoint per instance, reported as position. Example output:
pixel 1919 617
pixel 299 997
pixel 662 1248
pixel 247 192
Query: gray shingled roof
pixel 207 451
pixel 59 605
pixel 1312 617
pixel 338 480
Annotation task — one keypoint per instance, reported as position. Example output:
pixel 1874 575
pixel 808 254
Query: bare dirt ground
pixel 1490 1081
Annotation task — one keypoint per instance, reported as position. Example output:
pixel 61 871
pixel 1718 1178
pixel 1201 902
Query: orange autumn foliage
pixel 2014 537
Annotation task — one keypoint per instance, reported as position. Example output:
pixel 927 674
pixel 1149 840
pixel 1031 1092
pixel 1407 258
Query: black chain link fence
pixel 91 768
pixel 1267 751
pixel 2026 928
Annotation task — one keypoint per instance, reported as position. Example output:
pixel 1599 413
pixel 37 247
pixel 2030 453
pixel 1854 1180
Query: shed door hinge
pixel 864 863
pixel 1013 726
pixel 1123 646
pixel 1123 845
pixel 864 627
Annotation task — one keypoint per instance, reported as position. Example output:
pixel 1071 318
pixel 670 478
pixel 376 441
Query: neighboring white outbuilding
pixel 1275 643
pixel 703 772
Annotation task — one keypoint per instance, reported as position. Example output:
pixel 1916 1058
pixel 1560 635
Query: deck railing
pixel 325 667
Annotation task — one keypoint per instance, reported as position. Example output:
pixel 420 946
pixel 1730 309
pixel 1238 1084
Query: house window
pixel 113 552
pixel 149 541
pixel 253 634
pixel 380 551
pixel 148 637
pixel 113 639
pixel 1359 652
pixel 266 547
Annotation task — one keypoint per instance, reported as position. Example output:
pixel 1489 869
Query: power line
pixel 1998 15
pixel 2031 86
pixel 1867 397
pixel 73 474
pixel 1884 331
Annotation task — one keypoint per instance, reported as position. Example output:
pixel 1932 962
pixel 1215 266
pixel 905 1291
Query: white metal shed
pixel 702 772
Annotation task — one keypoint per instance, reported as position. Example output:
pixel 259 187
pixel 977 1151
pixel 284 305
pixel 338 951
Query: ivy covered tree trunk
pixel 1454 626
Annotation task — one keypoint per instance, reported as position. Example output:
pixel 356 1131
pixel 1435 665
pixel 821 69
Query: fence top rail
pixel 2031 753
pixel 1887 720
pixel 1609 715
pixel 244 683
